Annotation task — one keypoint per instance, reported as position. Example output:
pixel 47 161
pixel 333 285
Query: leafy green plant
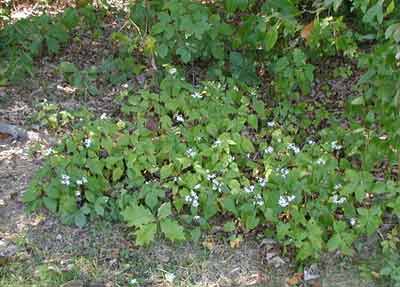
pixel 82 80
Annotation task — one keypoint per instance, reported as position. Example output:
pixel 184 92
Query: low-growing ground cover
pixel 261 120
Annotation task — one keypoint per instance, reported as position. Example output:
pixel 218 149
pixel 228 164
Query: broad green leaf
pixel 145 234
pixel 172 230
pixel 137 215
pixel 165 210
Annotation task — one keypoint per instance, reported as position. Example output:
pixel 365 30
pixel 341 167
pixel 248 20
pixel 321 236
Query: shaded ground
pixel 103 254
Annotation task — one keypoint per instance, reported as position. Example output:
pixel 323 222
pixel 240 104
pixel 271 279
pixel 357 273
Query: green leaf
pixel 31 194
pixel 117 174
pixel 95 166
pixel 50 203
pixel 165 171
pixel 172 230
pixel 229 226
pixel 253 121
pixel 165 210
pixel 184 54
pixel 271 38
pixel 137 215
pixel 80 219
pixel 145 234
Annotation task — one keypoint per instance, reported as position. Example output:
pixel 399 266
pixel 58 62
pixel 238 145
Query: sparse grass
pixel 52 254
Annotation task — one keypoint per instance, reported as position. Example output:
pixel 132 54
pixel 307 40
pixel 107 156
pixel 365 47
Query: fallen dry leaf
pixel 295 279
pixel 307 30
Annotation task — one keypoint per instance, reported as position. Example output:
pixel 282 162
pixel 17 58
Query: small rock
pixel 277 262
pixel 73 283
pixel 311 273
pixel 7 250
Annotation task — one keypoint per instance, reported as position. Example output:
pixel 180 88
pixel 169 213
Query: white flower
pixel 353 221
pixel 259 200
pixel 195 203
pixel 320 161
pixel 216 143
pixel 337 186
pixel 103 116
pixel 216 185
pixel 197 186
pixel 262 181
pixel 269 150
pixel 172 71
pixel 293 147
pixel 193 199
pixel 197 95
pixel 81 181
pixel 133 281
pixel 271 124
pixel 48 151
pixel 188 199
pixel 88 142
pixel 311 142
pixel 179 118
pixel 284 201
pixel 284 172
pixel 249 189
pixel 336 146
pixel 65 179
pixel 191 152
pixel 210 176
pixel 196 218
pixel 337 200
pixel 231 158
pixel 78 193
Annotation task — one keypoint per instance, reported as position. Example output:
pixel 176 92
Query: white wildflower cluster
pixel 338 200
pixel 284 201
pixel 269 150
pixel 336 146
pixel 179 118
pixel 103 116
pixel 172 71
pixel 88 142
pixel 249 189
pixel 78 193
pixel 283 172
pixel 353 221
pixel 48 151
pixel 294 148
pixel 197 186
pixel 262 181
pixel 259 200
pixel 271 124
pixel 65 180
pixel 193 199
pixel 191 153
pixel 337 186
pixel 210 176
pixel 216 185
pixel 81 181
pixel 311 142
pixel 216 144
pixel 321 161
pixel 196 218
pixel 197 95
